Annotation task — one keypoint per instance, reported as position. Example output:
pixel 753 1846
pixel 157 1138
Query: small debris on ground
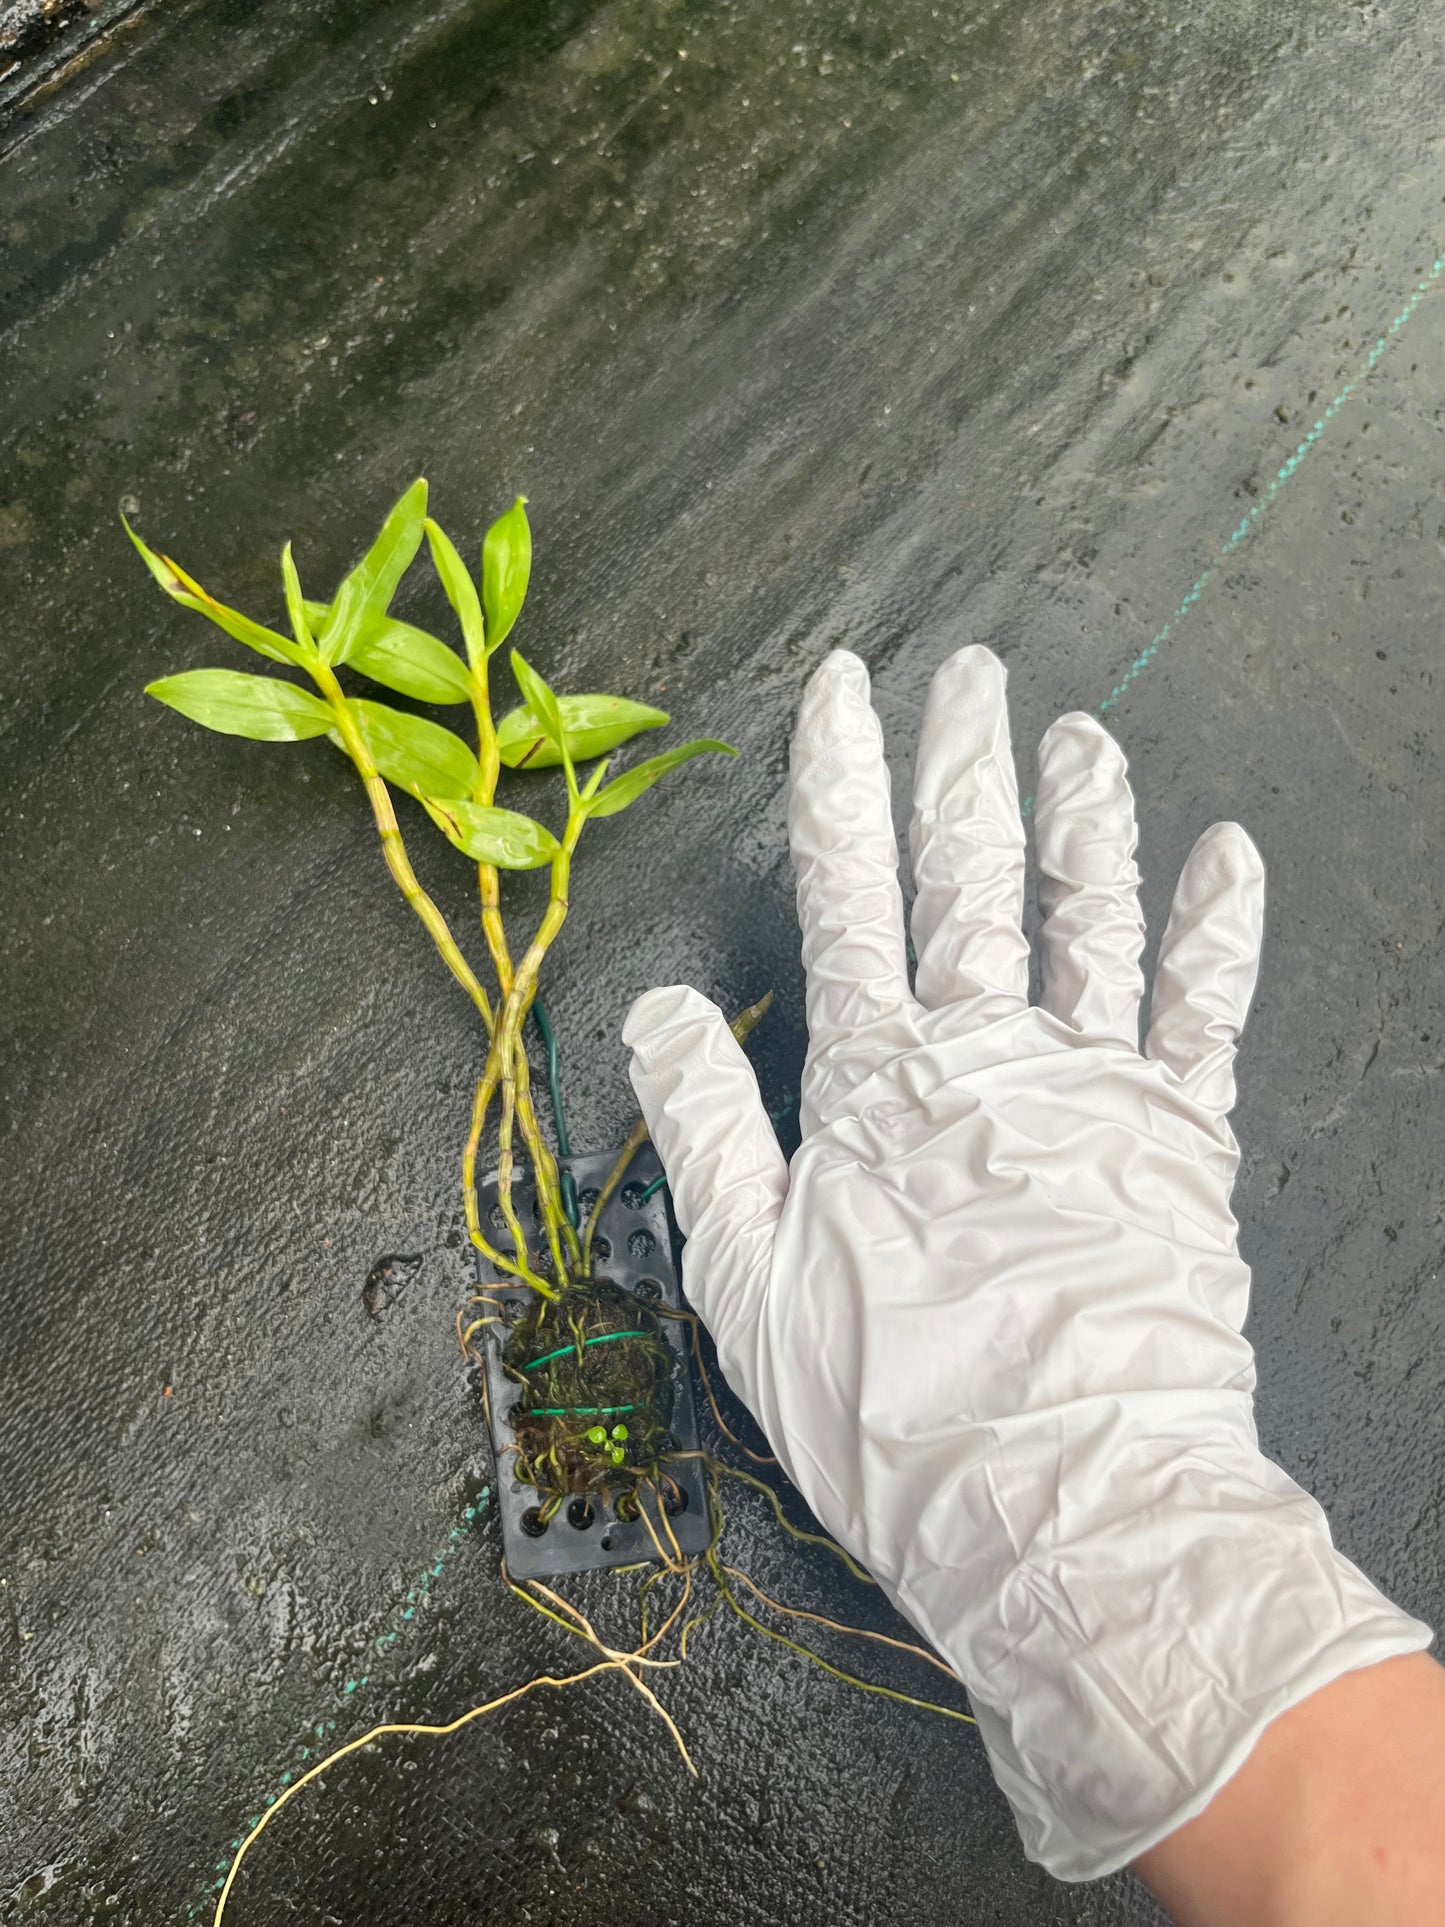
pixel 387 1280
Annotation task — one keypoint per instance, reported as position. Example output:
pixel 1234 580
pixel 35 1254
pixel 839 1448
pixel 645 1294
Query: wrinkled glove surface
pixel 990 1318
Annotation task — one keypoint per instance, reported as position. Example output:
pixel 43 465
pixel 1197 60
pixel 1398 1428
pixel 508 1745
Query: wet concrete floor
pixel 800 325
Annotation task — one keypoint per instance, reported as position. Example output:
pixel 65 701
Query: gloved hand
pixel 990 1319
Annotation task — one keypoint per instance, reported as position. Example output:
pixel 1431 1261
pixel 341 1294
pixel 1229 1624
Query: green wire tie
pixel 577 1411
pixel 653 1188
pixel 602 1338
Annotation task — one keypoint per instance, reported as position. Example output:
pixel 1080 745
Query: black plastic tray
pixel 640 1258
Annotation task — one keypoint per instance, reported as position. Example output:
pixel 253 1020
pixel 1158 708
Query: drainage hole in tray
pixel 580 1515
pixel 532 1522
pixel 647 1288
pixel 674 1501
pixel 641 1244
pixel 602 1249
pixel 631 1195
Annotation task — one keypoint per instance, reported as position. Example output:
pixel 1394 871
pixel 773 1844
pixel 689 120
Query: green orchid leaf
pixel 591 725
pixel 260 707
pixel 367 591
pixel 594 779
pixel 184 589
pixel 486 835
pixel 461 590
pixel 403 658
pixel 411 662
pixel 543 706
pixel 416 755
pixel 632 783
pixel 506 570
pixel 296 602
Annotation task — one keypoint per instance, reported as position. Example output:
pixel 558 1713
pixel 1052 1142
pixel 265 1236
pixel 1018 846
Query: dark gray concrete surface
pixel 800 325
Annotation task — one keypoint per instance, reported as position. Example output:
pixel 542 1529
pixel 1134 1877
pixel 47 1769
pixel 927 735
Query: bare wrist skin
pixel 1337 1818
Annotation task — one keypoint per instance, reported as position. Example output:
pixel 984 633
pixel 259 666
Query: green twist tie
pixel 602 1338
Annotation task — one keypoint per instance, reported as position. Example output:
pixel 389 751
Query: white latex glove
pixel 990 1319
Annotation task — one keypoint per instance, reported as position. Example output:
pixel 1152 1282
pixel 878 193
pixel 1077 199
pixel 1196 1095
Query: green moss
pixel 595 1415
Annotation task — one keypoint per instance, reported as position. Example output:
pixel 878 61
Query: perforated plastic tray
pixel 635 1248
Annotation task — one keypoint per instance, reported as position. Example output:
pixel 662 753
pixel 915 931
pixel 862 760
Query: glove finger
pixel 1208 962
pixel 850 907
pixel 967 846
pixel 727 1175
pixel 1092 931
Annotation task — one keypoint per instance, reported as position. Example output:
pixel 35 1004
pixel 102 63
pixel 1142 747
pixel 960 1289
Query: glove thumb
pixel 727 1174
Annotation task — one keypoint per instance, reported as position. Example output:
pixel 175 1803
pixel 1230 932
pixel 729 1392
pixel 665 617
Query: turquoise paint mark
pixel 1258 511
pixel 383 1642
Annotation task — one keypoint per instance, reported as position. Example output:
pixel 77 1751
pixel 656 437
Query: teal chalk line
pixel 1258 511
pixel 1261 508
pixel 403 1615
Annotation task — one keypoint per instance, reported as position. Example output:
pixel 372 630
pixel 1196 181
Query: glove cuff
pixel 1123 1680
